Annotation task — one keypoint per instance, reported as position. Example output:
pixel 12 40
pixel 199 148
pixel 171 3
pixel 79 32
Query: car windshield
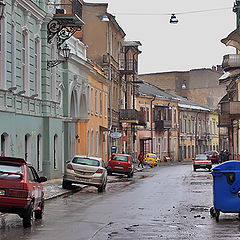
pixel 201 157
pixel 120 158
pixel 10 171
pixel 151 155
pixel 86 161
pixel 210 152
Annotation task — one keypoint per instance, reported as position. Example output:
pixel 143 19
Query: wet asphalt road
pixel 170 202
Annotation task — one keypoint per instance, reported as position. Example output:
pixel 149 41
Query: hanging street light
pixel 173 19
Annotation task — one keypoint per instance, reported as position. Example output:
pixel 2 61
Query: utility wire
pixel 176 13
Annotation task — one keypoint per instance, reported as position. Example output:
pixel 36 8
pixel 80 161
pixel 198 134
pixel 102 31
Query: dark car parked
pixel 213 156
pixel 21 191
pixel 121 163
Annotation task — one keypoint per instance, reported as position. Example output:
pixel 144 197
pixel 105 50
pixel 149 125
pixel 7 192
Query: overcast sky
pixel 191 44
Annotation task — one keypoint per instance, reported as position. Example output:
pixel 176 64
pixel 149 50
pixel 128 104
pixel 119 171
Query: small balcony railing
pixel 232 108
pixel 224 120
pixel 128 115
pixel 231 61
pixel 163 125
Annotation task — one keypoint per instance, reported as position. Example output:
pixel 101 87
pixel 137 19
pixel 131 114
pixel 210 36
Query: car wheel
pixel 28 216
pixel 109 172
pixel 194 169
pixel 212 212
pixel 39 213
pixel 130 175
pixel 66 184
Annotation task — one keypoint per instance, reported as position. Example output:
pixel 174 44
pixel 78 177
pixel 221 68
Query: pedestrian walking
pixel 221 156
pixel 140 159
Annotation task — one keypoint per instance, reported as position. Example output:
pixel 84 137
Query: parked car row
pixel 21 191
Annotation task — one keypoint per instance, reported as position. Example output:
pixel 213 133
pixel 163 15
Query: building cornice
pixel 35 11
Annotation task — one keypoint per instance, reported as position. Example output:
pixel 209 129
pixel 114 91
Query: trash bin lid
pixel 229 166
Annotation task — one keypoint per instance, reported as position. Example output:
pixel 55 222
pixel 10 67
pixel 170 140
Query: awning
pixel 233 39
pixel 230 74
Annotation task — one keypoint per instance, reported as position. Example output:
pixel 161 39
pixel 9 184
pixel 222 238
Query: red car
pixel 213 156
pixel 120 163
pixel 21 191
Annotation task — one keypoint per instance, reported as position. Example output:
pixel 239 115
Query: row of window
pixel 28 150
pixel 160 113
pixel 189 126
pixel 94 141
pixel 189 151
pixel 97 105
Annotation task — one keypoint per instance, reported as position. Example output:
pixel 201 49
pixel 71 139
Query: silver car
pixel 85 170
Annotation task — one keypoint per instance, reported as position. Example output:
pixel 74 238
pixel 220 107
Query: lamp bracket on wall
pixel 53 63
pixel 63 26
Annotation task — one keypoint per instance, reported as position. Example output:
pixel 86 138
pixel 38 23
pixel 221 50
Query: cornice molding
pixel 35 11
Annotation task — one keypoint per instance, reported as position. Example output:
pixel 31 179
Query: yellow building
pixel 93 131
pixel 214 144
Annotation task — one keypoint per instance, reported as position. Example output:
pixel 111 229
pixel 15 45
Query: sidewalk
pixel 53 188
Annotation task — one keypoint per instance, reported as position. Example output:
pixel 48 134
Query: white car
pixel 202 161
pixel 85 170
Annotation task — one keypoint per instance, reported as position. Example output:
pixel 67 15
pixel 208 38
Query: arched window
pixel 4 144
pixel 24 60
pixel 37 66
pixel 28 148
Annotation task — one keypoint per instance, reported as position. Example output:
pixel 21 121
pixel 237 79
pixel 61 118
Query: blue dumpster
pixel 226 186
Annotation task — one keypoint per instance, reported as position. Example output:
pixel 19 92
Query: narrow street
pixel 168 202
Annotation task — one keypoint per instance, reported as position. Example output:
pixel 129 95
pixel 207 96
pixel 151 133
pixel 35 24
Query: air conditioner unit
pixel 147 125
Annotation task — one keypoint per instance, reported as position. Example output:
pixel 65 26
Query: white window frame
pixel 96 102
pixel 164 144
pixel 92 100
pixel 92 138
pixel 100 102
pixel 24 60
pixel 37 66
pixel 106 105
pixel 88 141
pixel 88 98
pixel 97 143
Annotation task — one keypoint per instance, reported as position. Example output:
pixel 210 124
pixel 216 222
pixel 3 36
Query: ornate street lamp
pixel 2 7
pixel 66 53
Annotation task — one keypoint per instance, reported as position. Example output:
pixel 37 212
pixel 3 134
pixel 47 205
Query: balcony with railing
pixel 128 66
pixel 224 120
pixel 162 125
pixel 232 108
pixel 231 61
pixel 128 115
